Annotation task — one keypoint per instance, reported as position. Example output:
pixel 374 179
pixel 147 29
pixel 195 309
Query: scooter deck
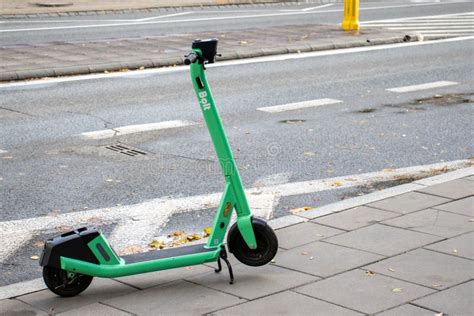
pixel 166 253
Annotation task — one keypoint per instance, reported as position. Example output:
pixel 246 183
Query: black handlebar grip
pixel 190 58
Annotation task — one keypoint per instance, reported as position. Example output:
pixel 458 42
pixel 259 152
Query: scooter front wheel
pixel 65 284
pixel 267 244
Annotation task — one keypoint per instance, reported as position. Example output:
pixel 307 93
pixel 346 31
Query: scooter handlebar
pixel 190 58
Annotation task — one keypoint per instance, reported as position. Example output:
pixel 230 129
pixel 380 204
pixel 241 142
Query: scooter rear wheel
pixel 267 244
pixel 64 284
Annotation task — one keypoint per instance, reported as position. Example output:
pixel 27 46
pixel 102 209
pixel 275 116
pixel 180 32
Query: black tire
pixel 267 244
pixel 59 283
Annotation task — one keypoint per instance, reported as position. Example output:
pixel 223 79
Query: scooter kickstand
pixel 219 266
pixel 223 256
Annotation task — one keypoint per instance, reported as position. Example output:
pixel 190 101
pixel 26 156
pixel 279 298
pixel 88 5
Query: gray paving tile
pixel 323 259
pixel 407 310
pixel 12 307
pixel 100 289
pixel 355 218
pixel 93 310
pixel 425 267
pixel 454 301
pixel 146 280
pixel 464 206
pixel 384 240
pixel 461 246
pixel 286 303
pixel 408 202
pixel 176 298
pixel 434 222
pixel 254 282
pixel 303 233
pixel 366 293
pixel 455 189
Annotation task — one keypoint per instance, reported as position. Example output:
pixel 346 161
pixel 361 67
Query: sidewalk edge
pixel 175 61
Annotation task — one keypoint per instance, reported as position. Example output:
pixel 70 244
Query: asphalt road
pixel 41 130
pixel 179 21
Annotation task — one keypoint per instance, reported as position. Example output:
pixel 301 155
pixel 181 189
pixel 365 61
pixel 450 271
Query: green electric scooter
pixel 71 260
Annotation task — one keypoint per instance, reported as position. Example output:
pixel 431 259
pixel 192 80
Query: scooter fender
pixel 72 245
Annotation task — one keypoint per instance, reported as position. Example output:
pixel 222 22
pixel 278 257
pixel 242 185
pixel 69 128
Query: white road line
pixel 318 7
pixel 266 59
pixel 298 105
pixel 424 86
pixel 159 211
pixel 207 19
pixel 131 129
pixel 421 17
pixel 163 16
pixel 435 29
pixel 3 151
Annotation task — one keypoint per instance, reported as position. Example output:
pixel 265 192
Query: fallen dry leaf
pixel 388 170
pixel 207 231
pixel 64 228
pixel 38 244
pixel 301 209
pixel 156 244
pixel 369 273
pixel 391 269
pixel 397 290
pixel 34 257
pixel 337 184
pixel 304 253
pixel 309 153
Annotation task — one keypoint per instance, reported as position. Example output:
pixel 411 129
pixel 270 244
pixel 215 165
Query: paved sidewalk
pixel 73 58
pixel 406 250
pixel 54 7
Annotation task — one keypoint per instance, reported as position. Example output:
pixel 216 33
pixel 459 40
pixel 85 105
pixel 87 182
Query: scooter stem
pixel 222 147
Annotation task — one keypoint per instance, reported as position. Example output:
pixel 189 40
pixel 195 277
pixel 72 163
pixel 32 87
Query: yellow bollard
pixel 351 15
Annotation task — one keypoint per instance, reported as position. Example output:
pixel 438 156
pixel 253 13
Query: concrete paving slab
pixel 434 222
pixel 407 310
pixel 147 280
pixel 355 218
pixel 461 246
pixel 303 233
pixel 12 307
pixel 287 303
pixel 384 240
pixel 464 206
pixel 99 290
pixel 322 259
pixel 95 309
pixel 177 298
pixel 408 202
pixel 425 267
pixel 454 301
pixel 254 282
pixel 455 189
pixel 366 293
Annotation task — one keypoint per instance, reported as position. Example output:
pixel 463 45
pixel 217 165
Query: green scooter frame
pixel 71 260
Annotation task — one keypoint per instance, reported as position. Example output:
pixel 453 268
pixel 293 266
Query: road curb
pixel 360 41
pixel 30 286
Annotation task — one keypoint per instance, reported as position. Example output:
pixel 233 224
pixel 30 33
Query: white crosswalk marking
pixel 431 27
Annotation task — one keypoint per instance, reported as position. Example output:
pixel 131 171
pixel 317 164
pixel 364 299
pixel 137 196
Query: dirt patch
pixel 436 100
pixel 366 110
pixel 295 121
